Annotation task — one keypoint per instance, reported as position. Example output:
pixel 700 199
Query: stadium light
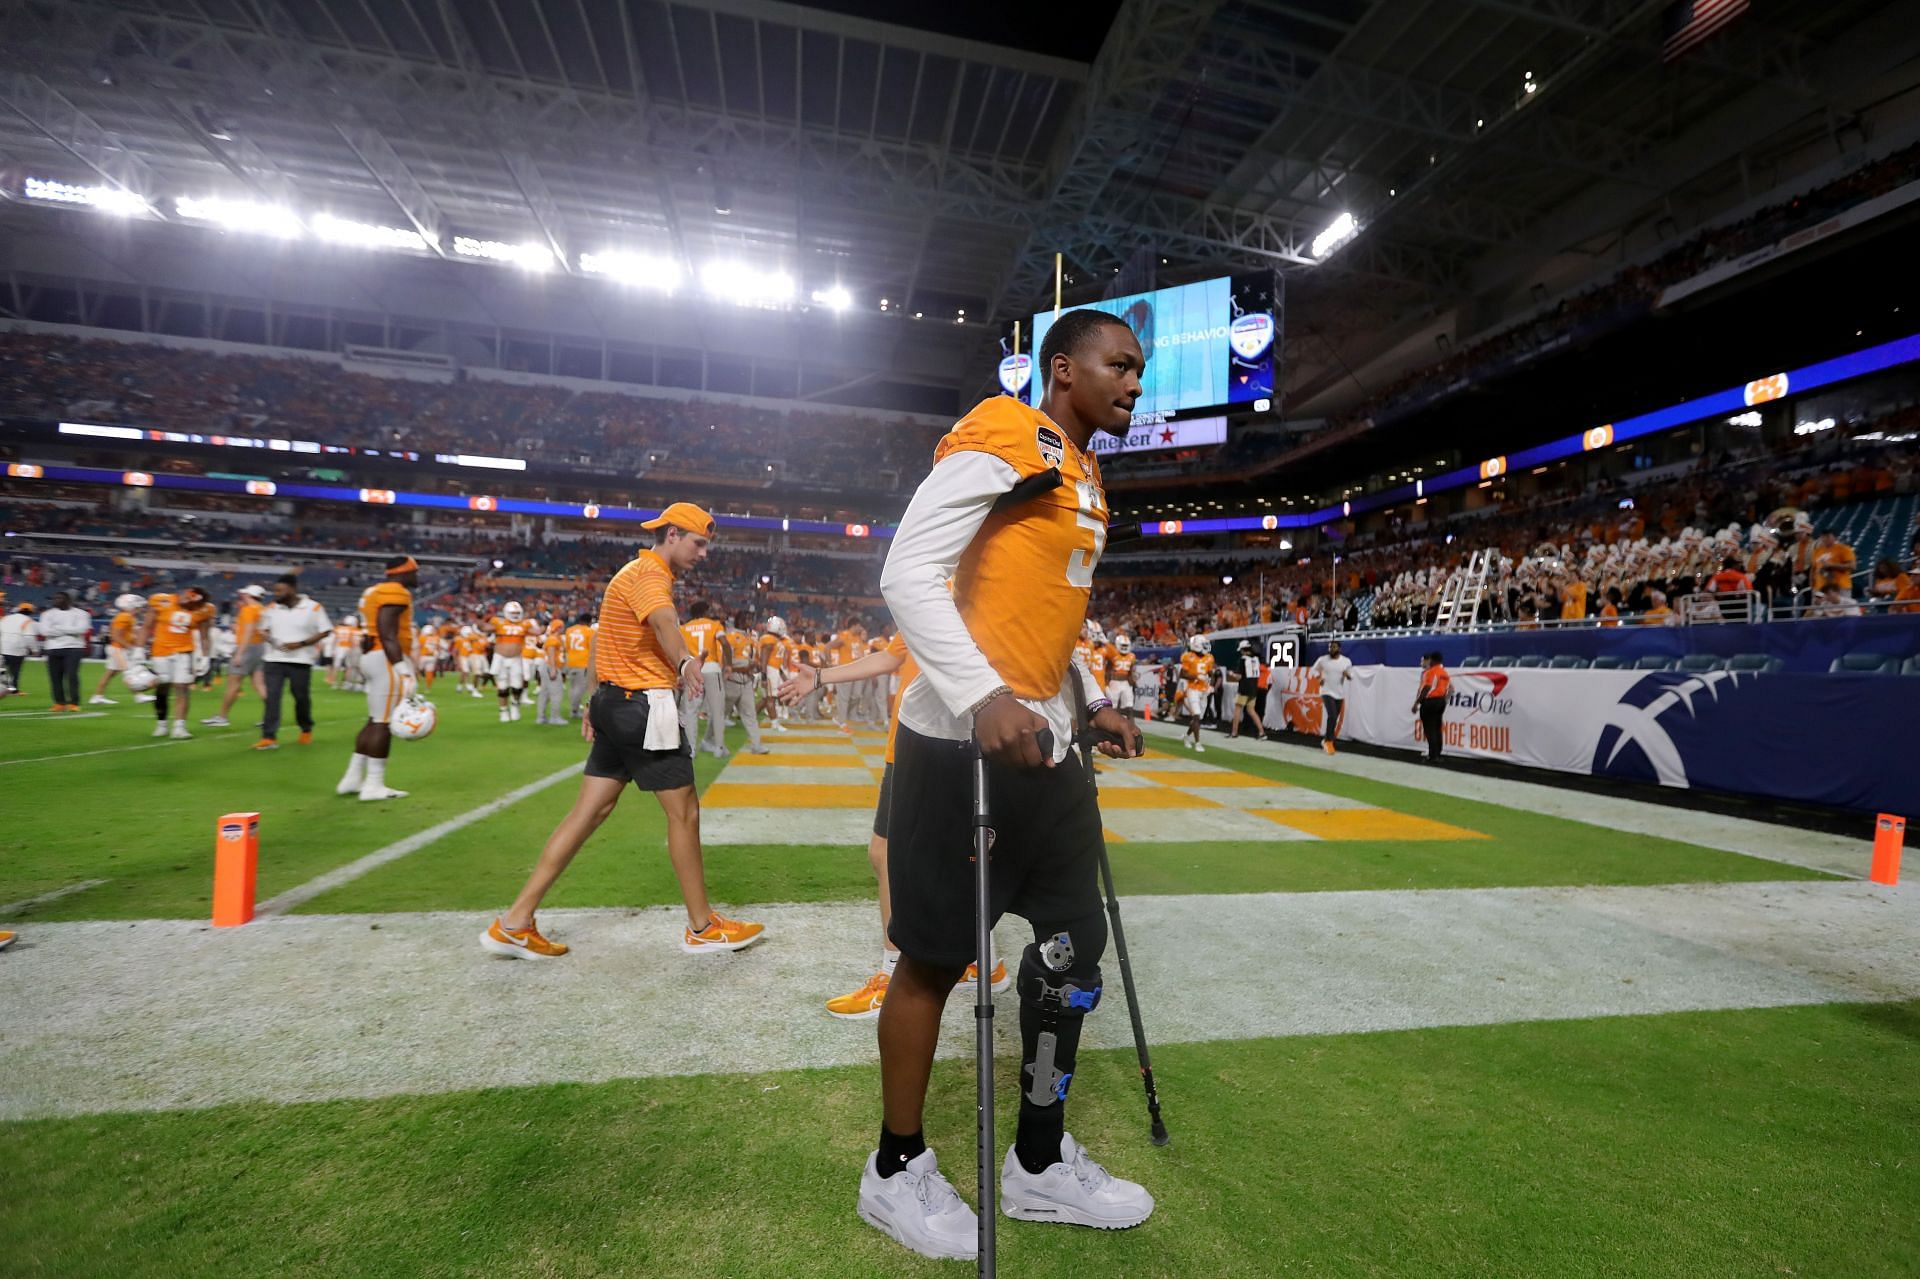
pixel 366 235
pixel 245 217
pixel 639 269
pixel 534 257
pixel 739 283
pixel 1338 232
pixel 1285 545
pixel 836 298
pixel 104 198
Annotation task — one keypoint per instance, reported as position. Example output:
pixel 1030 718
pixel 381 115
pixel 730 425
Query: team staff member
pixel 1247 691
pixel 639 657
pixel 991 604
pixel 386 611
pixel 120 636
pixel 1334 673
pixel 1430 702
pixel 64 634
pixel 17 635
pixel 249 651
pixel 292 627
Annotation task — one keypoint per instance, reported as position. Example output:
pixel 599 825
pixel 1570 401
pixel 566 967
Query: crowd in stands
pixel 54 377
pixel 1563 555
pixel 1637 287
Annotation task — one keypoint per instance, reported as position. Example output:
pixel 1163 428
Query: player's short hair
pixel 1070 335
pixel 290 579
pixel 699 608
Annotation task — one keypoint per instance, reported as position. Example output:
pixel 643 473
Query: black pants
pixel 1330 708
pixel 1431 711
pixel 63 671
pixel 279 674
pixel 13 671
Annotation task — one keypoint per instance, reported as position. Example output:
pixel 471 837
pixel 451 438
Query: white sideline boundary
pixel 28 903
pixel 110 750
pixel 284 902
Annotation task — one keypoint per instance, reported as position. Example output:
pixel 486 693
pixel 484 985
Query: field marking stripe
pixel 284 902
pixel 111 750
pixel 28 903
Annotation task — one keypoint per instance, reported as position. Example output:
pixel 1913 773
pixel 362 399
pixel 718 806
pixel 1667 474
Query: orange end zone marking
pixel 1364 823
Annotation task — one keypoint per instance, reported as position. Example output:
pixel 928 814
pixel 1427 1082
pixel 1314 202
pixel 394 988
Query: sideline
pixel 28 903
pixel 284 902
pixel 111 750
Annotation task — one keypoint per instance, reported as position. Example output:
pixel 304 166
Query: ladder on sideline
pixel 1460 598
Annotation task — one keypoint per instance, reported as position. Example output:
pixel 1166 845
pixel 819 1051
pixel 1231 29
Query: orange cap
pixel 684 515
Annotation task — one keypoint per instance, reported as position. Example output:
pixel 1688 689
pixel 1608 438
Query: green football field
pixel 1401 1032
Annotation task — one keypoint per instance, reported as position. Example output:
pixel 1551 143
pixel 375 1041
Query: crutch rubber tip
pixel 1160 1137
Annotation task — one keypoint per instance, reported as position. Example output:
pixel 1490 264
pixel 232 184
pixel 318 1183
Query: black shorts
pixel 619 727
pixel 1046 848
pixel 883 811
pixel 1249 688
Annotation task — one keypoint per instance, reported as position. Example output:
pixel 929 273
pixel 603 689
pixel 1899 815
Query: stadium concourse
pixel 1414 507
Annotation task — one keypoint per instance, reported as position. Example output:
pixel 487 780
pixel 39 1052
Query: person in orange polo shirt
pixel 249 651
pixel 633 733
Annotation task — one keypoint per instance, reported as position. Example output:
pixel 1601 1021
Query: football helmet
pixel 1123 643
pixel 414 718
pixel 1198 643
pixel 512 611
pixel 776 626
pixel 130 603
pixel 1093 632
pixel 139 677
pixel 467 631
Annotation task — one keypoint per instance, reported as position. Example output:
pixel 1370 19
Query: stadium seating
pixel 1866 664
pixel 1697 662
pixel 1608 662
pixel 1567 662
pixel 1753 662
pixel 1653 662
pixel 1529 661
pixel 1471 661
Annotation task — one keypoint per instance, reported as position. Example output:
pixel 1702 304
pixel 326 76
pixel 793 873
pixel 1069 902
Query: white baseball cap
pixel 257 592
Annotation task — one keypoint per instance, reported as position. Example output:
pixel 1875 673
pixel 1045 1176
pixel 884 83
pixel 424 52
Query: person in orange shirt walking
pixel 1430 703
pixel 121 632
pixel 577 640
pixel 633 733
pixel 249 651
pixel 702 633
pixel 176 633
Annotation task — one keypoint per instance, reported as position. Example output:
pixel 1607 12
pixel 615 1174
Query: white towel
pixel 663 721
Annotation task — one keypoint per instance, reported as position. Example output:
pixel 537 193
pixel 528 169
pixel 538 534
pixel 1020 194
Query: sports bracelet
pixel 981 705
pixel 1098 705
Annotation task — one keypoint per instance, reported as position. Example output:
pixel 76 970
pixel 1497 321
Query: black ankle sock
pixel 1036 1144
pixel 896 1152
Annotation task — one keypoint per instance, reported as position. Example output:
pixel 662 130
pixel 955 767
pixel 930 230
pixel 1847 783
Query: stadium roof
pixel 938 155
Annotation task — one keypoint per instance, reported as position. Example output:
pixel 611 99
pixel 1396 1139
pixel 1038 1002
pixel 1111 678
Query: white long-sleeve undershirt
pixel 941 522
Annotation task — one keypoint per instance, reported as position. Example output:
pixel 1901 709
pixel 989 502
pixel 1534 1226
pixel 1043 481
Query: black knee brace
pixel 1058 986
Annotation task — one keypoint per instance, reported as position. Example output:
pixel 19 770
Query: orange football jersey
pixel 1196 671
pixel 1022 584
pixel 909 669
pixel 379 596
pixel 120 632
pixel 701 633
pixel 578 641
pixel 509 637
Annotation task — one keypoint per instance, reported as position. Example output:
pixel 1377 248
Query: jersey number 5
pixel 1090 515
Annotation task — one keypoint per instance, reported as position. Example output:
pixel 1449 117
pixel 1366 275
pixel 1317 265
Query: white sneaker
pixel 919 1208
pixel 142 698
pixel 503 714
pixel 513 710
pixel 370 793
pixel 1076 1191
pixel 179 733
pixel 1201 747
pixel 97 700
pixel 762 750
pixel 778 727
pixel 215 721
pixel 160 729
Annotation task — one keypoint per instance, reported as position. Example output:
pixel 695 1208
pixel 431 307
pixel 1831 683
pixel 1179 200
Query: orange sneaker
pixel 1327 747
pixel 720 934
pixel 520 943
pixel 306 739
pixel 971 977
pixel 6 939
pixel 863 1003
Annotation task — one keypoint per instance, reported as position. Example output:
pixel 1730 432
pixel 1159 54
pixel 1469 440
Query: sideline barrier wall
pixel 1837 740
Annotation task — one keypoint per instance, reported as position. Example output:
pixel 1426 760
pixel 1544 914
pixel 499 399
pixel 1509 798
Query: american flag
pixel 1689 22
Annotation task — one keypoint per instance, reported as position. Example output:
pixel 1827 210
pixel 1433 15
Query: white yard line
pixel 284 902
pixel 111 750
pixel 172 1014
pixel 1813 850
pixel 28 903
